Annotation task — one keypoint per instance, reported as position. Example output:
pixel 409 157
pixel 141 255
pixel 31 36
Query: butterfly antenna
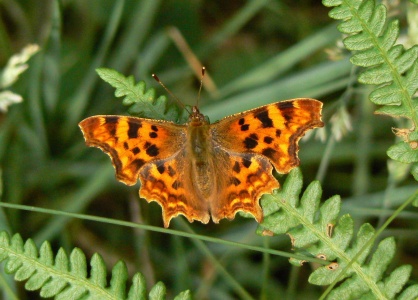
pixel 201 84
pixel 170 92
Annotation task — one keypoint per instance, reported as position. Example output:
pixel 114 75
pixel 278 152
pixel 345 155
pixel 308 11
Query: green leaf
pixel 67 278
pixel 142 102
pixel 318 230
pixel 118 281
pixel 138 290
pixel 391 68
pixel 396 280
pixel 98 270
pixel 158 292
pixel 403 152
pixel 186 295
pixel 414 171
pixel 410 293
pixel 78 263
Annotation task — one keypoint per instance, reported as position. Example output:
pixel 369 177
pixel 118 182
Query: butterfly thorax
pixel 201 154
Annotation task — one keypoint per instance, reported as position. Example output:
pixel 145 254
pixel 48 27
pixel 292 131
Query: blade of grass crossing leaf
pixel 79 100
pixel 132 39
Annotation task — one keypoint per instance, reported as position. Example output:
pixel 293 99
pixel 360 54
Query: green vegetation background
pixel 256 52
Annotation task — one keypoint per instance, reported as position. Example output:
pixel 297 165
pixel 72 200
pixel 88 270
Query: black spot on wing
pixel 236 168
pixel 138 162
pixel 176 184
pixel 264 118
pixel 285 104
pixel 125 145
pixel 269 152
pixel 153 135
pixel 161 169
pixel 268 140
pixel 246 162
pixel 135 150
pixel 254 136
pixel 171 171
pixel 245 127
pixel 133 129
pixel 287 116
pixel 235 181
pixel 111 119
pixel 244 194
pixel 151 149
pixel 111 123
pixel 250 143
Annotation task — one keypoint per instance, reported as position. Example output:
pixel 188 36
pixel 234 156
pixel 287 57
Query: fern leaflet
pixel 390 66
pixel 319 230
pixel 142 102
pixel 67 278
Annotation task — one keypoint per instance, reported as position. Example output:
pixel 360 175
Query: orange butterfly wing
pixel 253 141
pixel 132 142
pixel 272 130
pixel 154 152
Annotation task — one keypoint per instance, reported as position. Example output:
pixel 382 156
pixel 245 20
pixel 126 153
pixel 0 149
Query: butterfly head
pixel 196 118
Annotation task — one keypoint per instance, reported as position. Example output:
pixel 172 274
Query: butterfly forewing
pixel 132 142
pixel 272 130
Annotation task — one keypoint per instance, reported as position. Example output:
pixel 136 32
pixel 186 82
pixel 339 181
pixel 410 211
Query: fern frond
pixel 320 230
pixel 142 101
pixel 67 278
pixel 392 68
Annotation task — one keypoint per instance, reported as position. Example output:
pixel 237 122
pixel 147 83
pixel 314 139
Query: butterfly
pixel 202 170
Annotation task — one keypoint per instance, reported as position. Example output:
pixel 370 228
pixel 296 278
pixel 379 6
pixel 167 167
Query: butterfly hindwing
pixel 168 183
pixel 244 178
